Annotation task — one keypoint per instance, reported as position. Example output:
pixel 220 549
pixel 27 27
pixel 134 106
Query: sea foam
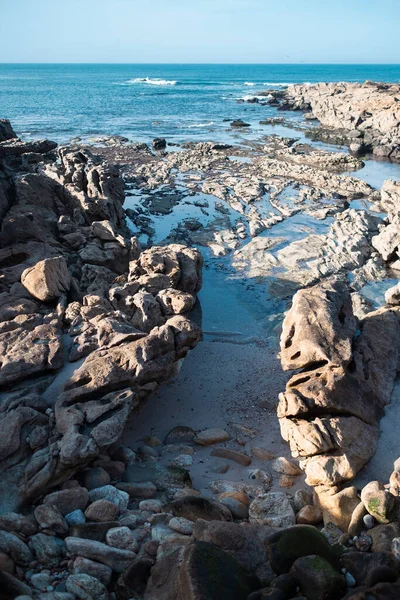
pixel 149 81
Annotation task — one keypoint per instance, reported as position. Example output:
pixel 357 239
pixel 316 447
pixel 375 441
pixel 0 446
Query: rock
pixel 211 436
pixel 377 501
pixel 101 511
pixel 240 457
pixel 360 564
pixel 180 435
pixel 18 523
pixel 205 571
pixel 68 500
pixel 357 520
pixel 76 517
pixel 175 302
pixel 86 566
pixel 317 578
pixel 272 508
pixel 48 550
pixel 238 510
pixel 383 535
pixel 6 563
pixel 40 581
pixel 181 525
pixel 262 454
pixel 11 587
pixel 338 507
pixel 162 477
pixel 86 587
pixel 49 517
pixel 309 515
pixel 197 507
pixel 120 537
pixel 144 489
pixel 159 144
pixel 92 530
pixel 286 546
pixel 11 544
pixel 118 560
pixel 183 460
pixel 369 521
pixel 48 279
pixel 154 506
pixel 6 130
pixel 301 499
pixel 286 467
pixel 95 478
pixel 239 123
pixel 133 581
pixel 112 494
pixel 319 328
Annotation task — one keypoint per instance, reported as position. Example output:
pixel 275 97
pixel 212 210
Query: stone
pixel 337 507
pixel 211 436
pixel 309 515
pixel 48 279
pixel 26 525
pixel 302 498
pixel 132 583
pixel 95 478
pixel 183 460
pixel 68 500
pixel 317 578
pixel 238 510
pixel 262 454
pixel 239 457
pixel 369 521
pixel 357 520
pixel 49 517
pixel 102 510
pixel 11 587
pixel 286 467
pixel 144 489
pixel 6 563
pixel 48 549
pixel 120 537
pixel 118 560
pixel 319 327
pixel 112 494
pixel 86 587
pixel 197 507
pixel 154 506
pixel 272 508
pixel 286 546
pixel 383 535
pixel 181 525
pixel 12 545
pixel 162 477
pixel 76 517
pixel 360 564
pixel 377 501
pixel 92 530
pixel 95 569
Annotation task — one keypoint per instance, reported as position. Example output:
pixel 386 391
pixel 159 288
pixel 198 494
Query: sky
pixel 200 31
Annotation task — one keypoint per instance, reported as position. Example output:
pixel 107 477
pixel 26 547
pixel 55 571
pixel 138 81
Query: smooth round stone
pixel 76 517
pixel 369 521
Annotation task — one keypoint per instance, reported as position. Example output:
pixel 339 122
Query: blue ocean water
pixel 178 102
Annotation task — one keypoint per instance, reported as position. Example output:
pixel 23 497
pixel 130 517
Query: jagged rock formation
pixel 330 410
pixel 366 116
pixel 75 286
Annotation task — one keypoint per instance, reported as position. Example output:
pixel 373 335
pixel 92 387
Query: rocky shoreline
pixel 100 271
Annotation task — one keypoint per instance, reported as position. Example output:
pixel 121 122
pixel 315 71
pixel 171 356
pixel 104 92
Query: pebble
pixel 151 505
pixel 350 581
pixel 181 525
pixel 262 454
pixel 183 460
pixel 286 467
pixel 363 543
pixel 369 521
pixel 211 436
pixel 76 517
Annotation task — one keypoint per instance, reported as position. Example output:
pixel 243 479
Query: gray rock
pixel 95 569
pixel 16 548
pixel 96 478
pixel 86 587
pixel 76 517
pixel 48 549
pixel 116 559
pixel 112 494
pixel 49 517
pixel 101 511
pixel 272 508
pixel 68 500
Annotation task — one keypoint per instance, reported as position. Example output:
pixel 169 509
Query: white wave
pixel 149 81
pixel 249 83
pixel 286 84
pixel 200 125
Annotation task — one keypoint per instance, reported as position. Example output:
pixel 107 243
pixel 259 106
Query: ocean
pixel 141 102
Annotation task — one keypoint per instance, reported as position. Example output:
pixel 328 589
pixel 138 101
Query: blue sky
pixel 196 31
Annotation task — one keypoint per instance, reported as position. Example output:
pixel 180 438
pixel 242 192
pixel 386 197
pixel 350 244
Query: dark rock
pixel 317 578
pixel 12 588
pixel 6 130
pixel 286 583
pixel 159 144
pixel 92 531
pixel 180 435
pixel 134 580
pixel 197 507
pixel 361 564
pixel 380 575
pixel 284 547
pixel 239 123
pixel 163 477
pixel 382 536
pixel 68 500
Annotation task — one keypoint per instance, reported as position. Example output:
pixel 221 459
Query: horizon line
pixel 394 64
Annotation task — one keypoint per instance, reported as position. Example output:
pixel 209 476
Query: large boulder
pixel 48 279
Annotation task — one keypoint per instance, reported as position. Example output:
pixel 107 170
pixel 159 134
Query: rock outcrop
pixel 366 115
pixel 330 410
pixel 75 286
